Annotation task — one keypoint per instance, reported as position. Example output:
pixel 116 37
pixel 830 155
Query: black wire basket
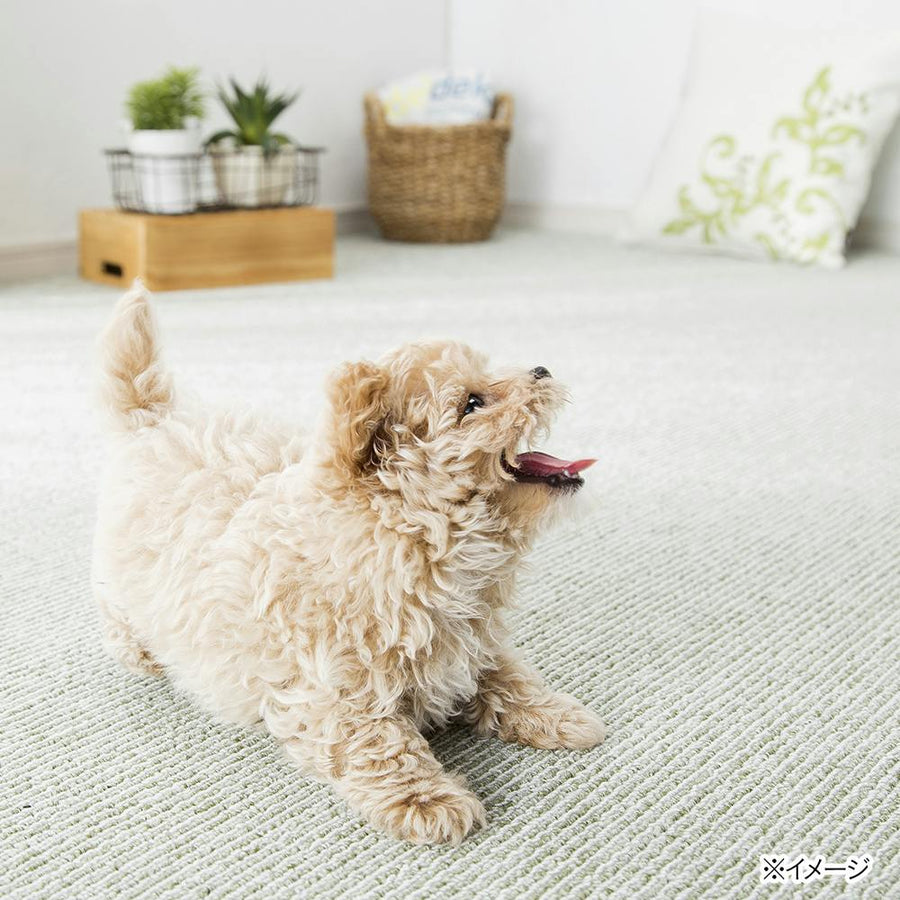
pixel 219 179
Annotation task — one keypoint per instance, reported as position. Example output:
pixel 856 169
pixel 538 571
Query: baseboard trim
pixel 38 260
pixel 583 219
pixel 877 234
pixel 354 220
pixel 43 260
pixel 871 234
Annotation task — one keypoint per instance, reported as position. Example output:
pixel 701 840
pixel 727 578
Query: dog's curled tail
pixel 136 390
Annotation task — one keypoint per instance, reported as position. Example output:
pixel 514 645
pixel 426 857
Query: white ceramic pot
pixel 166 169
pixel 245 177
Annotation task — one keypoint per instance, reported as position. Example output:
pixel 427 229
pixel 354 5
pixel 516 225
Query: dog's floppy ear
pixel 358 394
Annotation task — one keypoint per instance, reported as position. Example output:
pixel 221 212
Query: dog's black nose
pixel 540 372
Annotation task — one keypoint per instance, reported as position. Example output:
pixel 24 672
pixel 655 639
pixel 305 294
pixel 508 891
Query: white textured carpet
pixel 730 605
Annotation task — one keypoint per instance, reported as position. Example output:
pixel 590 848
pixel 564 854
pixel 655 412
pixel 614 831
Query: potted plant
pixel 165 140
pixel 253 165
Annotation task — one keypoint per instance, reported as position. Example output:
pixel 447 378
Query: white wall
pixel 597 81
pixel 67 65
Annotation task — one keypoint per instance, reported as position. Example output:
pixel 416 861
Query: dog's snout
pixel 540 372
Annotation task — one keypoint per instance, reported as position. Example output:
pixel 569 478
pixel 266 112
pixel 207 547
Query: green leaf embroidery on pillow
pixel 815 94
pixel 693 215
pixel 746 184
pixel 817 245
pixel 824 165
pixel 806 204
pixel 793 128
pixel 769 244
pixel 840 134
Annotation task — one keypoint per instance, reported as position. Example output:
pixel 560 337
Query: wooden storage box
pixel 208 249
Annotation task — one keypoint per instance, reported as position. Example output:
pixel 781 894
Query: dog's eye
pixel 472 404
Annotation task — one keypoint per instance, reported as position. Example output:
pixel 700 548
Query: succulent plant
pixel 253 113
pixel 163 104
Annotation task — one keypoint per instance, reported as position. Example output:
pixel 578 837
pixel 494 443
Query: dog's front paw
pixel 560 723
pixel 437 812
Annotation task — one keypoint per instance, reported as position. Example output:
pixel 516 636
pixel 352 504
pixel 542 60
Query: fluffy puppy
pixel 346 591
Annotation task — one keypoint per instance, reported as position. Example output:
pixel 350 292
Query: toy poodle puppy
pixel 347 590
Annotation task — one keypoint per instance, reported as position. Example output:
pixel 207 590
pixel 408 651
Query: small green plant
pixel 253 113
pixel 163 104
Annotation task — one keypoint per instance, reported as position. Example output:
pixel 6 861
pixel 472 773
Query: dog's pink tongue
pixel 543 464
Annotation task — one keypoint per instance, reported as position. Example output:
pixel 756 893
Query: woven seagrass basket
pixel 440 184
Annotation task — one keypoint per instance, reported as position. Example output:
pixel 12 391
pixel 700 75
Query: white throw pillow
pixel 771 154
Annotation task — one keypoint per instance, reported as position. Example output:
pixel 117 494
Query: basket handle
pixel 503 110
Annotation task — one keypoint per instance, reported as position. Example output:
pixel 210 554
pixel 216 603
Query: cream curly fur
pixel 347 590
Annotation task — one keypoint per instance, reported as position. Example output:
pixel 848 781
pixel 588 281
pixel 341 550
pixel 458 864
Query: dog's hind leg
pixel 120 640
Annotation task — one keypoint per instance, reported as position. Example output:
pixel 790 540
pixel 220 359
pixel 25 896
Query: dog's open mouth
pixel 542 468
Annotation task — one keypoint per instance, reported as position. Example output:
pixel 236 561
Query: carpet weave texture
pixel 728 601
